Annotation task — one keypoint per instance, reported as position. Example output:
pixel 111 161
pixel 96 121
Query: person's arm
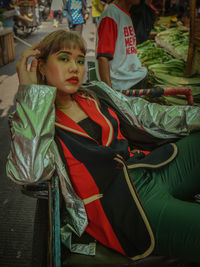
pixel 107 36
pixel 104 70
pixel 31 158
pixel 160 121
pixel 34 155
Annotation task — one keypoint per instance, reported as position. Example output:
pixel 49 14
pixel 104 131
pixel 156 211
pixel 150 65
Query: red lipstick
pixel 73 80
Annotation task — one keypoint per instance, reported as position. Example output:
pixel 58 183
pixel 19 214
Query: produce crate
pixel 7 53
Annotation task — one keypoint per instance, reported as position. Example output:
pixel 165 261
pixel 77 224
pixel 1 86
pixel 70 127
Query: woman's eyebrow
pixel 68 53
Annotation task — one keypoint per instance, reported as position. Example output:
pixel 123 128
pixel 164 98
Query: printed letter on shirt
pixel 130 40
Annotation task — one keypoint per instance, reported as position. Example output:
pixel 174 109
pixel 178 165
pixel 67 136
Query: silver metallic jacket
pixel 34 155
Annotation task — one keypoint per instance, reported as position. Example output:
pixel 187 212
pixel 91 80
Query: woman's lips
pixel 73 80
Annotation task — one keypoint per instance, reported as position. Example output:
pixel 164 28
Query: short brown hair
pixel 56 41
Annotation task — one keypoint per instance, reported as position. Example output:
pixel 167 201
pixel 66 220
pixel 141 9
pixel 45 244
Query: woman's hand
pixel 25 75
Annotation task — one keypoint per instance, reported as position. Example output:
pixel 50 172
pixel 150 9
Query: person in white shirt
pixel 116 51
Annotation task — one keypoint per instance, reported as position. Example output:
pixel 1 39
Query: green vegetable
pixel 158 28
pixel 174 67
pixel 176 38
pixel 149 53
pixel 165 78
pixel 148 43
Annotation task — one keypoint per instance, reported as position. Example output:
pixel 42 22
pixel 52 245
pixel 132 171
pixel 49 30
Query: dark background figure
pixel 77 14
pixel 57 8
pixel 67 13
pixel 143 18
pixel 44 10
pixel 167 7
pixel 5 4
pixel 181 7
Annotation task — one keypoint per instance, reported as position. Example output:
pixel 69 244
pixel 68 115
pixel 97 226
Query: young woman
pixel 136 202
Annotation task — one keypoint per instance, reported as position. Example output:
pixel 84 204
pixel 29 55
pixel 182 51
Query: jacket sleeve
pixel 166 121
pixel 34 156
pixel 31 158
pixel 160 121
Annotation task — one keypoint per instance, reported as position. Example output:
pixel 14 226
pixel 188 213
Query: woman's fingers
pixel 25 75
pixel 35 46
pixel 33 67
pixel 26 56
pixel 30 52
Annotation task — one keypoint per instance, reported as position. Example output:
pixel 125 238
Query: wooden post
pixel 163 9
pixel 191 44
pixel 7 53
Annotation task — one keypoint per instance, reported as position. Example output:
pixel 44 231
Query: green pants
pixel 165 194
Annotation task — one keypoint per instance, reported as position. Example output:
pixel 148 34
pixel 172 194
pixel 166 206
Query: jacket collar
pixel 91 108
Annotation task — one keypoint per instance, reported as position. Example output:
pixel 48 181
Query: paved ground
pixel 17 210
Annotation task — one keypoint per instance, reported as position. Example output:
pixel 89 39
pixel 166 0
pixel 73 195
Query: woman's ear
pixel 41 67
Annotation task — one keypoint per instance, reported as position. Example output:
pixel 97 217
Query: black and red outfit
pixel 104 173
pixel 101 179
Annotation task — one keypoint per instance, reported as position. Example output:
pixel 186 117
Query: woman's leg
pixel 183 174
pixel 175 223
pixel 79 28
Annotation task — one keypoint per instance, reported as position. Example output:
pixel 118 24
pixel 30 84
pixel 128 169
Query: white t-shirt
pixel 116 40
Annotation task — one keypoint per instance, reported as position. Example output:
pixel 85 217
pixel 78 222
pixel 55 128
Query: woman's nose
pixel 73 66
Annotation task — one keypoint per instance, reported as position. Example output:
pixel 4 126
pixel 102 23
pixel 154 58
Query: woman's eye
pixel 81 61
pixel 63 58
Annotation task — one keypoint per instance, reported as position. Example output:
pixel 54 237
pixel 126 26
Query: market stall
pixel 167 56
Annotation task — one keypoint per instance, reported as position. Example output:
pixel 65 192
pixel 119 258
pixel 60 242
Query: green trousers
pixel 165 194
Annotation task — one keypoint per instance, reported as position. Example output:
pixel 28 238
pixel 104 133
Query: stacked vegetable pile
pixel 165 71
pixel 162 23
pixel 175 42
pixel 158 61
pixel 174 67
pixel 158 28
pixel 149 54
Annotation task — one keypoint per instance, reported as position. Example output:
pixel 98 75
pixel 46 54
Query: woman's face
pixel 65 70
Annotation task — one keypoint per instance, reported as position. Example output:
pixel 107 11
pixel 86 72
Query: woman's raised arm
pixel 28 75
pixel 31 158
